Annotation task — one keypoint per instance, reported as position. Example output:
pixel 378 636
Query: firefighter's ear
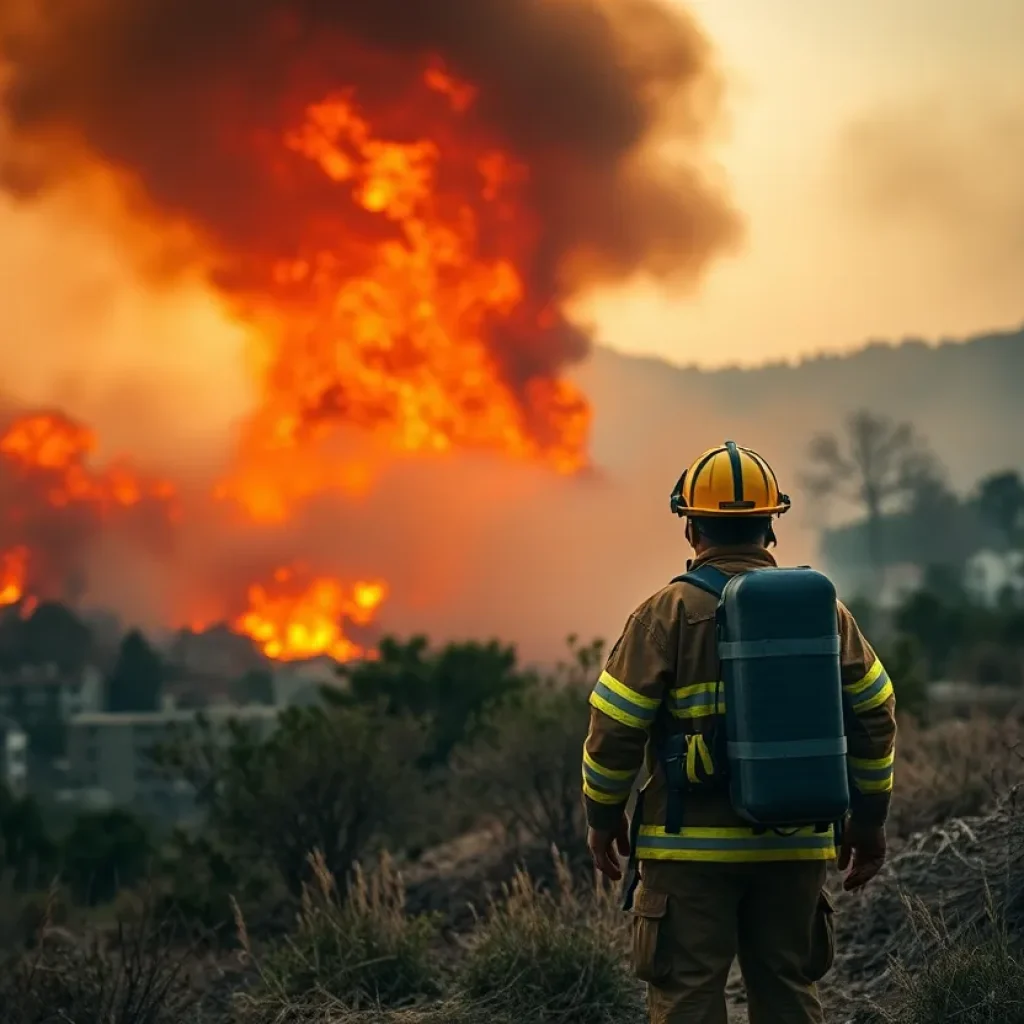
pixel 690 533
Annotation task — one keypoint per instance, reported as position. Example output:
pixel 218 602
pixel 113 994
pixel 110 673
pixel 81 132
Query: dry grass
pixel 360 952
pixel 954 769
pixel 552 956
pixel 132 977
pixel 975 976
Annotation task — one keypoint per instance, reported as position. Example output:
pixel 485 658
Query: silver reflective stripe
pixel 821 645
pixel 831 747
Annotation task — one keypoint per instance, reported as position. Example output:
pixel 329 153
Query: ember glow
pixel 13 574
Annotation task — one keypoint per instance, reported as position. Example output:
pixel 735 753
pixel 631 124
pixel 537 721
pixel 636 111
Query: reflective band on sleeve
pixel 622 704
pixel 613 782
pixel 696 700
pixel 831 747
pixel 733 845
pixel 871 690
pixel 797 647
pixel 872 775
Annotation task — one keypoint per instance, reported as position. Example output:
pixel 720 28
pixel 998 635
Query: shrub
pixel 136 979
pixel 525 770
pixel 359 952
pixel 341 780
pixel 544 957
pixel 104 851
pixel 973 976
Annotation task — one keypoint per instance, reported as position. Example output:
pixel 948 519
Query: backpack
pixel 784 742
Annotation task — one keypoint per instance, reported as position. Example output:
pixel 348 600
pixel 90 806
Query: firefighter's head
pixel 728 497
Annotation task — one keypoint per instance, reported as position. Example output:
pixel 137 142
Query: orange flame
pixel 298 616
pixel 13 574
pixel 55 448
pixel 385 317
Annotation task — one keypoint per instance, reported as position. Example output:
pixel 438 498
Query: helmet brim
pixel 732 513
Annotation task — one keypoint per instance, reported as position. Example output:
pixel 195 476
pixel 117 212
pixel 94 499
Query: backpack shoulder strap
pixel 706 578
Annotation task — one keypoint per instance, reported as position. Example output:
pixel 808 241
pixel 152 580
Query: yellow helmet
pixel 729 481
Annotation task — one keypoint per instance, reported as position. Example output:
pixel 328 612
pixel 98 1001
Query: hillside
pixel 964 396
pixel 519 553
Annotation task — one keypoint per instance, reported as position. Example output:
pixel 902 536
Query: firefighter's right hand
pixel 865 848
pixel 607 845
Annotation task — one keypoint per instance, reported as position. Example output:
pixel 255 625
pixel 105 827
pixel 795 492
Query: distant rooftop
pixel 217 713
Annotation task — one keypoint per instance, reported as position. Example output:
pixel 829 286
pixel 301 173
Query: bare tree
pixel 876 464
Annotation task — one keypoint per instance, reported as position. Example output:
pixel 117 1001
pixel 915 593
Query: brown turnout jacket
pixel 659 679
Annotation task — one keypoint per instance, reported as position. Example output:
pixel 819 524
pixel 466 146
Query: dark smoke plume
pixel 175 94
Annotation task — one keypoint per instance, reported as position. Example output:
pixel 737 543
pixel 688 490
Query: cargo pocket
pixel 823 939
pixel 649 910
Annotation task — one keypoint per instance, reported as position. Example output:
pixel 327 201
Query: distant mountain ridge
pixel 966 397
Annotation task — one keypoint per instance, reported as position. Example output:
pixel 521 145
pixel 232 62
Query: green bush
pixel 342 780
pixel 544 957
pixel 524 771
pixel 357 952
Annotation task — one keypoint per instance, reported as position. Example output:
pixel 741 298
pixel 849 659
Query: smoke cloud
pixel 164 121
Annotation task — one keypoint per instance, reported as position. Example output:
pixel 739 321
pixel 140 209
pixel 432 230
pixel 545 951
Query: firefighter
pixel 720 889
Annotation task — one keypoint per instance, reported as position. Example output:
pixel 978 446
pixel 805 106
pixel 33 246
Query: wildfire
pixel 299 616
pixel 13 574
pixel 414 259
pixel 54 450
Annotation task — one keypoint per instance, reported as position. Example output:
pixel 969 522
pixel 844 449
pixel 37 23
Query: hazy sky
pixel 877 151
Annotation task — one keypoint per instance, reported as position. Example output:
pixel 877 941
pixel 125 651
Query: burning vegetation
pixel 398 202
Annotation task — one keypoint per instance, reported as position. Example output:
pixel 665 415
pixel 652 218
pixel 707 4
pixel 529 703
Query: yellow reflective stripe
pixel 651 703
pixel 871 690
pixel 733 845
pixel 613 774
pixel 865 680
pixel 870 764
pixel 600 797
pixel 735 856
pixel 873 785
pixel 622 704
pixel 873 702
pixel 872 774
pixel 617 714
pixel 605 785
pixel 696 700
pixel 691 690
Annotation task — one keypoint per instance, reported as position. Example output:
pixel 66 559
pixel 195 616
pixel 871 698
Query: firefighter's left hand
pixel 607 845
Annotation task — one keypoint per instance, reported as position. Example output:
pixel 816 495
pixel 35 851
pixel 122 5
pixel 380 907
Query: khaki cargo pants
pixel 691 921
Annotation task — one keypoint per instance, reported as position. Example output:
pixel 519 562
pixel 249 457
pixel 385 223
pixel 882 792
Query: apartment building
pixel 109 754
pixel 13 757
pixel 37 695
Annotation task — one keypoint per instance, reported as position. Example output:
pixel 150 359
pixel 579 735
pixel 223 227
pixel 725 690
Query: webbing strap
pixel 705 577
pixel 787 648
pixel 776 750
pixel 632 879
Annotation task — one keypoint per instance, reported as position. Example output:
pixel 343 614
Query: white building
pixel 38 694
pixel 301 682
pixel 109 754
pixel 13 757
